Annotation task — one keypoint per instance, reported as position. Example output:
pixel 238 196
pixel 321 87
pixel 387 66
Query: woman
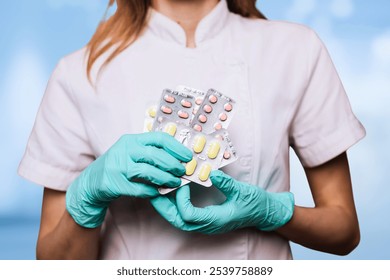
pixel 289 95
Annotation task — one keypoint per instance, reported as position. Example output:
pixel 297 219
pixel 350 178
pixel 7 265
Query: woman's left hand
pixel 245 206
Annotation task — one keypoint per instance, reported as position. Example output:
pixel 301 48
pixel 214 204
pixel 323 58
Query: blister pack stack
pixel 199 120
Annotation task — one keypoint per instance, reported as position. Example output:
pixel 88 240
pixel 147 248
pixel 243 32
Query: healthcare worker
pixel 101 172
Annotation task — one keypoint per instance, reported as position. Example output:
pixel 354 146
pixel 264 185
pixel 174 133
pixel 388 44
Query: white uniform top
pixel 287 91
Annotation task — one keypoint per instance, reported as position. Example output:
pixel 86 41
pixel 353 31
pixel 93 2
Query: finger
pixel 168 143
pixel 143 190
pixel 159 158
pixel 119 186
pixel 226 184
pixel 168 210
pixel 188 212
pixel 151 174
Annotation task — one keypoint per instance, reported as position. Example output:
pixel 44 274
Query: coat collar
pixel 207 28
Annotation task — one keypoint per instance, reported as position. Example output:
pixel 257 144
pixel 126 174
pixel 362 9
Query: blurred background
pixel 36 34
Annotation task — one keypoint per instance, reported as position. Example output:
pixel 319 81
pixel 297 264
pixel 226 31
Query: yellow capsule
pixel 213 150
pixel 199 143
pixel 152 112
pixel 190 167
pixel 170 128
pixel 204 172
pixel 149 126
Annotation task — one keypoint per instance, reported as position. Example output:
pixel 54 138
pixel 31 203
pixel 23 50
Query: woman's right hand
pixel 134 166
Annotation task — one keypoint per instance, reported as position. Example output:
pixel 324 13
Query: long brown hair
pixel 127 23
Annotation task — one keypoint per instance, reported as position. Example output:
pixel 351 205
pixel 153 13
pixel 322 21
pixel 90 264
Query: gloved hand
pixel 245 206
pixel 133 166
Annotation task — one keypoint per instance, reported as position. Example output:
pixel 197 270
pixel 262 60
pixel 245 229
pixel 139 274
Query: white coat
pixel 288 95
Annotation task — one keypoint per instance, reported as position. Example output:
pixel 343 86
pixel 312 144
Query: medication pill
pixel 204 172
pixel 152 112
pixel 169 98
pixel 218 126
pixel 149 126
pixel 228 107
pixel 191 166
pixel 197 127
pixel 185 103
pixel 166 109
pixel 198 100
pixel 207 108
pixel 213 99
pixel 183 114
pixel 222 117
pixel 199 143
pixel 170 128
pixel 202 118
pixel 213 150
pixel 226 155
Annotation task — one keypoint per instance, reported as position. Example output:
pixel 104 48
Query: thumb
pixel 223 182
pixel 167 209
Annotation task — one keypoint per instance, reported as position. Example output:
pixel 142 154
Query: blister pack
pixel 176 106
pixel 215 112
pixel 208 150
pixel 198 120
pixel 198 95
pixel 230 154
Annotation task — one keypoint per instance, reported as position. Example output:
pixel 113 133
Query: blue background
pixel 36 34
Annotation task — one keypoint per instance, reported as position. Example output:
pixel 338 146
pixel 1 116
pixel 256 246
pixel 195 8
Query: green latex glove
pixel 134 166
pixel 245 206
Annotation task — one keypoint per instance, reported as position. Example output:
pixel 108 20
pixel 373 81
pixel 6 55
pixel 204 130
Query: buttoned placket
pixel 235 69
